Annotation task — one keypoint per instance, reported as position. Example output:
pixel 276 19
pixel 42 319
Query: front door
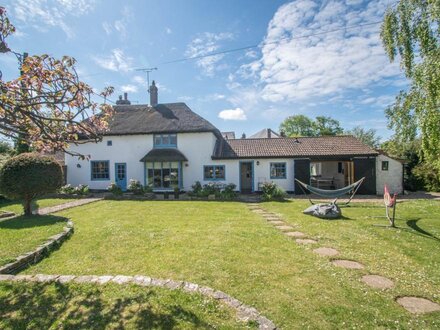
pixel 246 177
pixel 121 175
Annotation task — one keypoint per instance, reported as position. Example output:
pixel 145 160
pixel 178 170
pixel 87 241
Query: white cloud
pixel 204 44
pixel 129 88
pixel 168 30
pixel 294 68
pixel 139 80
pixel 119 25
pixel 232 114
pixel 42 14
pixel 185 98
pixel 116 61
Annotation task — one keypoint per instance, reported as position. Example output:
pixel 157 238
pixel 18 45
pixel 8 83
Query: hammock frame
pixel 355 187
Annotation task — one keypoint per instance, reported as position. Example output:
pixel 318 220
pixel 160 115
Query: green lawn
pixel 225 246
pixel 17 207
pixel 23 234
pixel 86 306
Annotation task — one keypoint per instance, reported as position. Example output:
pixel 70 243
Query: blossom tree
pixel 48 106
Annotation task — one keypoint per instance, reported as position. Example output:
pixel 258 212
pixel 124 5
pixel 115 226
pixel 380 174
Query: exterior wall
pixel 262 173
pixel 197 147
pixel 125 149
pixel 393 178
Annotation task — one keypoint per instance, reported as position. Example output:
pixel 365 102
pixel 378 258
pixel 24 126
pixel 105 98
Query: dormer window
pixel 165 140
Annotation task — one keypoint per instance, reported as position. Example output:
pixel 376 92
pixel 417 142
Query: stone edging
pixel 39 253
pixel 244 313
pixel 6 214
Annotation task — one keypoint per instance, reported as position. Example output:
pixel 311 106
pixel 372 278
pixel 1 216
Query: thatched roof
pixel 162 118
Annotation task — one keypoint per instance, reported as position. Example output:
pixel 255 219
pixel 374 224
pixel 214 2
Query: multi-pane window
pixel 214 172
pixel 100 169
pixel 385 165
pixel 165 140
pixel 277 170
pixel 163 174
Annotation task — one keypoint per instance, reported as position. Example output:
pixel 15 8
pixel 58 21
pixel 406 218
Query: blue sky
pixel 343 74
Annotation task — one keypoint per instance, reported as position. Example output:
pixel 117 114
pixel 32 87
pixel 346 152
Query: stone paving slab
pixel 377 282
pixel 326 252
pixel 283 228
pixel 305 241
pixel 295 234
pixel 276 222
pixel 417 305
pixel 349 264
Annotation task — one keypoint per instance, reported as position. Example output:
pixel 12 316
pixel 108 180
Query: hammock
pixel 332 193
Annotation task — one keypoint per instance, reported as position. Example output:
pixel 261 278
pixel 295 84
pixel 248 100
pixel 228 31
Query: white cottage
pixel 168 145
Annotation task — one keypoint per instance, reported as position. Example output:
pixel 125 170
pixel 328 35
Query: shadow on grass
pixel 413 225
pixel 43 306
pixel 22 222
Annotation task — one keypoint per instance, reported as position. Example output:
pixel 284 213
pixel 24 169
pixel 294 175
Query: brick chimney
pixel 124 101
pixel 153 94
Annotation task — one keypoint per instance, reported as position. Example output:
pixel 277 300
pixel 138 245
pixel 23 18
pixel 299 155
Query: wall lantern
pixel 258 162
pixel 186 164
pixel 78 165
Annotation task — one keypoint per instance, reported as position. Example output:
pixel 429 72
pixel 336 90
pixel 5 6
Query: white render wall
pixel 197 147
pixel 392 178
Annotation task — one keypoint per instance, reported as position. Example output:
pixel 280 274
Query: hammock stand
pixel 353 188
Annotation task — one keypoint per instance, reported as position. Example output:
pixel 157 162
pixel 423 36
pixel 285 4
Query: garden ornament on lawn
pixel 353 188
pixel 324 211
pixel 390 202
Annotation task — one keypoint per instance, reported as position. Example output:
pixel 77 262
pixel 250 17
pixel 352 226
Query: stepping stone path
pixel 326 252
pixel 305 241
pixel 244 313
pixel 377 281
pixel 417 305
pixel 349 264
pixel 414 305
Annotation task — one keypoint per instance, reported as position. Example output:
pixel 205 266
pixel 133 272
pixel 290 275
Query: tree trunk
pixel 27 206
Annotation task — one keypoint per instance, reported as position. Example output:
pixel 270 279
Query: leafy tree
pixel 5 147
pixel 48 106
pixel 298 125
pixel 411 32
pixel 367 136
pixel 28 176
pixel 327 126
pixel 410 151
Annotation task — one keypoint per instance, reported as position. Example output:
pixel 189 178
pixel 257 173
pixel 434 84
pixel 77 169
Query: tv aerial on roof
pixel 147 71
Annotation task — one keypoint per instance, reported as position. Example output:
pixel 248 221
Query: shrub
pixel 81 190
pixel 68 189
pixel 228 192
pixel 148 189
pixel 212 188
pixel 197 188
pixel 272 192
pixel 114 189
pixel 28 176
pixel 429 175
pixel 135 187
